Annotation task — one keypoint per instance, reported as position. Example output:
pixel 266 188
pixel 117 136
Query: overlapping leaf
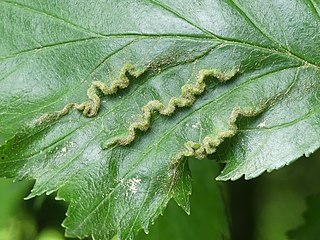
pixel 205 198
pixel 50 53
pixel 310 230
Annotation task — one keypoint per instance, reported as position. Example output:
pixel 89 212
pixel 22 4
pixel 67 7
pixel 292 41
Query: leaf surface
pixel 310 230
pixel 171 78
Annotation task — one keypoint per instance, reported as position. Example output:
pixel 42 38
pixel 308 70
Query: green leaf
pixel 11 197
pixel 14 222
pixel 311 229
pixel 280 197
pixel 169 77
pixel 290 127
pixel 206 198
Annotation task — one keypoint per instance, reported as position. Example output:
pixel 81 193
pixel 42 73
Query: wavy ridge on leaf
pixel 186 99
pixel 209 144
pixel 91 108
pixel 189 92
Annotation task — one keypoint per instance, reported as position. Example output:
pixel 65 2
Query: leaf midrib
pixel 207 34
pixel 148 36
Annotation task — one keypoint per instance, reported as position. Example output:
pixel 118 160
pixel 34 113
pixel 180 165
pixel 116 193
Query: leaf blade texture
pixel 51 54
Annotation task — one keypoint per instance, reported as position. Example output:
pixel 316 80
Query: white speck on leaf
pixel 196 125
pixel 133 184
pixel 262 124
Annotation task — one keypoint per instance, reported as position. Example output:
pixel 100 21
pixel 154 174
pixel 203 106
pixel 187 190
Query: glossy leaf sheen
pixel 50 53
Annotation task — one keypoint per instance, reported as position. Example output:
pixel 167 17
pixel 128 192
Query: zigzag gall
pixel 209 144
pixel 91 108
pixel 188 96
pixel 186 99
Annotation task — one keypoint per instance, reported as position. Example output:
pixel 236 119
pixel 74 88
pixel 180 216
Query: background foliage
pixel 273 206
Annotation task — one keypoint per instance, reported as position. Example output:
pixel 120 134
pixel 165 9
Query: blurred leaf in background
pixel 36 219
pixel 208 218
pixel 15 223
pixel 280 199
pixel 311 228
